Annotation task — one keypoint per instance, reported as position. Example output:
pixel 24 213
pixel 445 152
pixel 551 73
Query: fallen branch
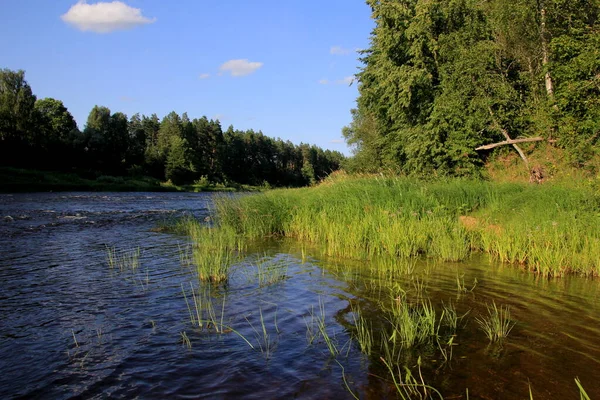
pixel 511 141
pixel 508 139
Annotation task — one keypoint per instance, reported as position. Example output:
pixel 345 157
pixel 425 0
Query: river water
pixel 72 327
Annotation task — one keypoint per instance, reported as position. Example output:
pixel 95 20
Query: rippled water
pixel 71 327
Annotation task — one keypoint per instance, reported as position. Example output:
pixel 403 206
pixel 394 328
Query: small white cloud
pixel 104 17
pixel 346 81
pixel 336 141
pixel 204 76
pixel 339 51
pixel 240 67
pixel 220 117
pixel 126 99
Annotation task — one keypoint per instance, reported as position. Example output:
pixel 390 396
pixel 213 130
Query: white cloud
pixel 126 99
pixel 220 117
pixel 104 17
pixel 240 67
pixel 339 51
pixel 204 76
pixel 345 81
pixel 336 141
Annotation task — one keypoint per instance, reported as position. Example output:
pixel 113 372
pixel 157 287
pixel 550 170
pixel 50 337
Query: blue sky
pixel 280 66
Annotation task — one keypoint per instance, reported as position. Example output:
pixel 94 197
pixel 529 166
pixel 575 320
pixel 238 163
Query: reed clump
pixel 551 229
pixel 497 324
pixel 213 250
pixel 123 260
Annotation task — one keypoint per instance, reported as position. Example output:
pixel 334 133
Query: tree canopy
pixel 442 77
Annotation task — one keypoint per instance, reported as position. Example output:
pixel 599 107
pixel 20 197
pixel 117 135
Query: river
pixel 73 327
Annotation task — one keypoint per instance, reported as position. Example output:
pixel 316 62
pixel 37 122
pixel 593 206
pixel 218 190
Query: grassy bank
pixel 551 229
pixel 25 180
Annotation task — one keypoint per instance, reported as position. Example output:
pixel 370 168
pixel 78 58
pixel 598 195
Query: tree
pixel 17 114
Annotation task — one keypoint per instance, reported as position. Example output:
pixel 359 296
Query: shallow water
pixel 71 327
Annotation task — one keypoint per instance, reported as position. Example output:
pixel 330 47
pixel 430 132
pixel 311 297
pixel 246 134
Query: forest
pixel 42 134
pixel 442 78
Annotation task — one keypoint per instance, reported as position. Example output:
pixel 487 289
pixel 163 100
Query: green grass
pixel 497 324
pixel 363 331
pixel 550 229
pixel 123 260
pixel 269 271
pixel 214 250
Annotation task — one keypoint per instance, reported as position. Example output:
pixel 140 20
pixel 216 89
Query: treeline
pixel 42 134
pixel 442 77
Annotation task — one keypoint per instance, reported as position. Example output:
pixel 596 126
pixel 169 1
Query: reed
pixel 497 324
pixel 363 331
pixel 185 340
pixel 265 342
pixel 407 385
pixel 551 229
pixel 270 271
pixel 582 394
pixel 123 260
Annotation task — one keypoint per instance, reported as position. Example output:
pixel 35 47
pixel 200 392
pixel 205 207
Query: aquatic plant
pixel 497 324
pixel 329 341
pixel 186 340
pixel 269 271
pixel 124 260
pixel 266 344
pixel 363 331
pixel 460 284
pixel 316 328
pixel 582 394
pixel 407 386
pixel 412 324
pixel 203 314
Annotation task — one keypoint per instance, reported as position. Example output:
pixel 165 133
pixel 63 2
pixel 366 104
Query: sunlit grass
pixel 549 229
pixel 497 324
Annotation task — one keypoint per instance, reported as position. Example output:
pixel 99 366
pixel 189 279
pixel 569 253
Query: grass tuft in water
pixel 123 260
pixel 497 324
pixel 185 340
pixel 363 331
pixel 266 344
pixel 269 271
pixel 407 386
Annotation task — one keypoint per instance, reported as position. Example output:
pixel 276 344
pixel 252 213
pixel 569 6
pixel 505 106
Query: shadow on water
pixel 282 326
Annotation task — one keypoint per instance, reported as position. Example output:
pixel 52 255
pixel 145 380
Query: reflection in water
pixel 74 327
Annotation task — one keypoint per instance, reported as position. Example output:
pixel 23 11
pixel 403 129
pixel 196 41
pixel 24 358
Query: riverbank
pixel 17 180
pixel 551 229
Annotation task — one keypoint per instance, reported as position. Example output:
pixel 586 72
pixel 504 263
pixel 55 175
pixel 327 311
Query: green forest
pixel 444 77
pixel 42 134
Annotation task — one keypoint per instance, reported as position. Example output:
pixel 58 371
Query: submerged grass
pixel 551 229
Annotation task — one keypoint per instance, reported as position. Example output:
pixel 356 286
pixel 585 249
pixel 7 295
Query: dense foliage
pixel 442 77
pixel 43 134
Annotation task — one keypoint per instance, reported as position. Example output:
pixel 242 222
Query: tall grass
pixel 213 251
pixel 549 229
